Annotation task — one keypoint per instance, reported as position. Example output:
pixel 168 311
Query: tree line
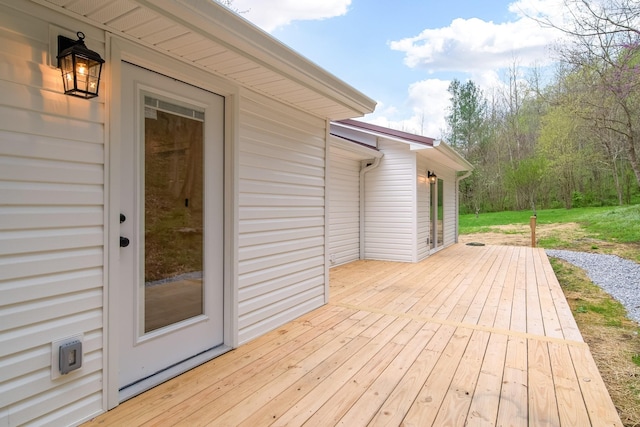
pixel 570 142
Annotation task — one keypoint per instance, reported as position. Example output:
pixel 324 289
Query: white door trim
pixel 119 50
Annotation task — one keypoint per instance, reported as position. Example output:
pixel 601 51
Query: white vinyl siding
pixel 281 256
pixel 344 205
pixel 450 213
pixel 397 218
pixel 51 230
pixel 389 205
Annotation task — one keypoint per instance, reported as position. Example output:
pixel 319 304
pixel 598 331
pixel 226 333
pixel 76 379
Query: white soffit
pixel 208 35
pixel 352 150
pixel 446 156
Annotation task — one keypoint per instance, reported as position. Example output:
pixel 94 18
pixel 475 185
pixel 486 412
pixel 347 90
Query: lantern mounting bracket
pixel 66 43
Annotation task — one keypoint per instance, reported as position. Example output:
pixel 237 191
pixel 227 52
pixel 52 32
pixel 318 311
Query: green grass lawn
pixel 620 224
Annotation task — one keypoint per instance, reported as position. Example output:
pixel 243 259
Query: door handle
pixel 124 242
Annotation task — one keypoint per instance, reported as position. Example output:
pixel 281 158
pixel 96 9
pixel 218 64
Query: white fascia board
pixel 237 34
pixel 418 147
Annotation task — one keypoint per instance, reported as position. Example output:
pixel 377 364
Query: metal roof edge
pixel 396 135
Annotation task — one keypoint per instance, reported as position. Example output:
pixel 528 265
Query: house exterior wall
pixel 52 193
pixel 396 213
pixel 450 206
pixel 344 206
pixel 389 205
pixel 281 255
pixel 53 216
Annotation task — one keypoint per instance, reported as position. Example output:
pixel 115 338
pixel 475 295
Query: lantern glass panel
pixel 66 65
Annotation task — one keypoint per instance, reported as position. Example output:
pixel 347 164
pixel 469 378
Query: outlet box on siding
pixel 66 355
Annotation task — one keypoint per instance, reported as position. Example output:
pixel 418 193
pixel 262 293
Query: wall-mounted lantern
pixel 431 177
pixel 80 67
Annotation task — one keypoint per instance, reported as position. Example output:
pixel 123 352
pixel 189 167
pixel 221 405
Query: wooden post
pixel 532 224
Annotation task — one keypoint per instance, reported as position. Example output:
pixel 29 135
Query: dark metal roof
pixel 409 137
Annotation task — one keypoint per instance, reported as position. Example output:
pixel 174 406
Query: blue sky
pixel 403 54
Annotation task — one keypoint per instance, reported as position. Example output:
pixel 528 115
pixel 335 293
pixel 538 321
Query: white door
pixel 170 290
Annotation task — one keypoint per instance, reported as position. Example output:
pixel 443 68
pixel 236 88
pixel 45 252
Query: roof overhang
pixel 205 34
pixel 357 127
pixel 435 150
pixel 443 154
pixel 353 149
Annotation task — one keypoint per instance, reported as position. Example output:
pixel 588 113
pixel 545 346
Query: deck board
pixel 478 336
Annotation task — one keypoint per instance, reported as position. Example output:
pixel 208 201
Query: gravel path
pixel 617 276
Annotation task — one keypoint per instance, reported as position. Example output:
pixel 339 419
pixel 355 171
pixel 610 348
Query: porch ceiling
pixel 469 336
pixel 208 35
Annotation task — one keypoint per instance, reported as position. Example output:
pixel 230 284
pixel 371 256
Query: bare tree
pixel 605 46
pixel 229 4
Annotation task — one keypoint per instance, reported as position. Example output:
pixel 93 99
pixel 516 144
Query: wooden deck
pixel 478 336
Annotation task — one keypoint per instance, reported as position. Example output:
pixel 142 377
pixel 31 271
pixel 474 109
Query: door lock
pixel 124 242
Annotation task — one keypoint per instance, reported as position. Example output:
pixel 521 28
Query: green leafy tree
pixel 468 134
pixel 466 118
pixel 569 151
pixel 524 179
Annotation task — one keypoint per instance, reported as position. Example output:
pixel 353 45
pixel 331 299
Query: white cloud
pixel 428 100
pixel 271 14
pixel 481 50
pixel 473 45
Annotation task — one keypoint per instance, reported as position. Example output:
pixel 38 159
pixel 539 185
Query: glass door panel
pixel 432 215
pixel 436 211
pixel 173 213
